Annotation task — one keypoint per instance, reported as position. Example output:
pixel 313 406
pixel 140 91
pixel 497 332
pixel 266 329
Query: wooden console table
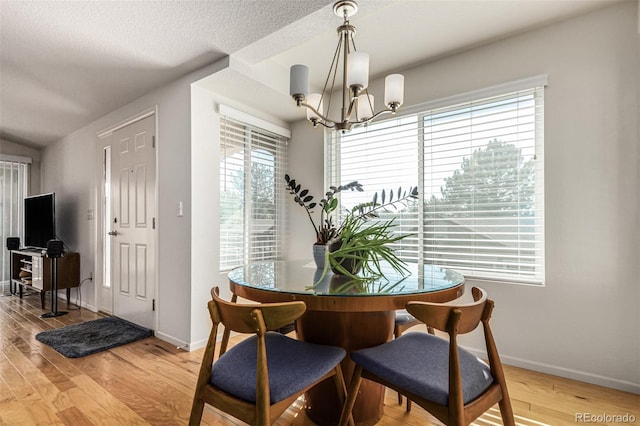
pixel 31 269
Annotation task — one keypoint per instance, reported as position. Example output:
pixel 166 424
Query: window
pixel 478 163
pixel 13 188
pixel 252 164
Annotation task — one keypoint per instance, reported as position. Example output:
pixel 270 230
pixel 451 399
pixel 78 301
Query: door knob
pixel 113 233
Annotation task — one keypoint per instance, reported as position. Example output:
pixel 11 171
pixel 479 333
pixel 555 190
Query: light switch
pixel 180 209
pixel 90 214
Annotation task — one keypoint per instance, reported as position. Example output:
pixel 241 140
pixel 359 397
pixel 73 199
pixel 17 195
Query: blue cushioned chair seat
pixel 419 363
pixel 292 365
pixel 403 317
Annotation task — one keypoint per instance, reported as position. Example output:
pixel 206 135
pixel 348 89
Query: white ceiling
pixel 64 64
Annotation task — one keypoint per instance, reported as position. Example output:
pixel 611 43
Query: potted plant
pixel 361 241
pixel 325 229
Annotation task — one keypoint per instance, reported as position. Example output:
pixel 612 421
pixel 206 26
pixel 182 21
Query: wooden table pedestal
pixel 352 331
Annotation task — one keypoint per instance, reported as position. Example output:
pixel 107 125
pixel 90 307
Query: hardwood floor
pixel 151 382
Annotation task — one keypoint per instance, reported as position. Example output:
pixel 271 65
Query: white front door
pixel 133 181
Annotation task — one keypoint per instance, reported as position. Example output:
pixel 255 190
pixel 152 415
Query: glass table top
pixel 302 277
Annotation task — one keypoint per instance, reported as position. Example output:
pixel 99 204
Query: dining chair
pixel 446 380
pixel 259 378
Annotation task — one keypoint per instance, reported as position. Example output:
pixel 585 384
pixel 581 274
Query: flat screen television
pixel 39 220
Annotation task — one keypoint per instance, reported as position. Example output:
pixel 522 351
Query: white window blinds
pixel 479 167
pixel 14 172
pixel 382 156
pixel 252 164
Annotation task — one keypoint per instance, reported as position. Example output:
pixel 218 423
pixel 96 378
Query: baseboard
pixel 197 345
pixel 203 342
pixel 194 345
pixel 84 305
pixel 180 344
pixel 568 373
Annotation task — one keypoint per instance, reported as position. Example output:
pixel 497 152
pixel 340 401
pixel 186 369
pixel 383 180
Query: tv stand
pixel 31 269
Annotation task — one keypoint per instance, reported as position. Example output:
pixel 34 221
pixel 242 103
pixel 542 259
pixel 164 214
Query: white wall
pixel 205 212
pixel 306 165
pixel 205 184
pixel 10 148
pixel 584 323
pixel 69 169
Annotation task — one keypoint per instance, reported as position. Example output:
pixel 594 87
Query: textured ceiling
pixel 64 63
pixel 67 63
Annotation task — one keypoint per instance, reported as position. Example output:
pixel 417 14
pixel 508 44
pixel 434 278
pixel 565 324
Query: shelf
pixel 32 270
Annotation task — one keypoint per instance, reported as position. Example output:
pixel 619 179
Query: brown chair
pixel 444 379
pixel 260 377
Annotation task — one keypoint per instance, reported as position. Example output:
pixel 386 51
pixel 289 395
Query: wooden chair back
pixel 247 319
pixel 253 318
pixel 465 318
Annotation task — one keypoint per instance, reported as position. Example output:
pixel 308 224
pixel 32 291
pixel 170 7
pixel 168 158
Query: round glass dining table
pixel 346 312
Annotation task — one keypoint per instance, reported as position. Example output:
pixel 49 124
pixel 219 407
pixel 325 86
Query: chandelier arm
pixel 318 113
pixel 376 115
pixel 334 68
pixel 328 126
pixel 366 92
pixel 335 73
pixel 352 104
pixel 353 42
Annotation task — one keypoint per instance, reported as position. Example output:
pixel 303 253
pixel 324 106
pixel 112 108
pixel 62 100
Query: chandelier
pixel 357 104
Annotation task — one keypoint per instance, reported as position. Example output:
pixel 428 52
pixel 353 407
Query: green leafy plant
pixel 325 229
pixel 361 242
pixel 362 247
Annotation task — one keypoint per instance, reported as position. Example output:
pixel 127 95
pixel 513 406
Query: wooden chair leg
pixel 342 389
pixel 351 396
pixel 396 334
pixel 196 412
pixel 506 412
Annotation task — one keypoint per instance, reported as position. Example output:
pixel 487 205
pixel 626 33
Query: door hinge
pixel 153 305
pixel 153 223
pixel 153 141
